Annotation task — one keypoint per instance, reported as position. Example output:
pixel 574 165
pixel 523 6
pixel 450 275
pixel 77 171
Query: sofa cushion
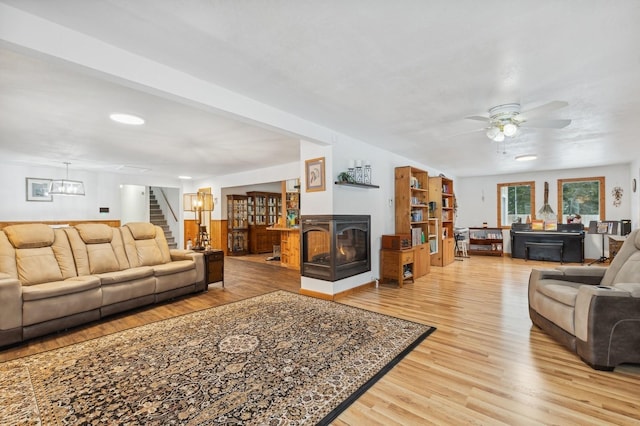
pixel 37 265
pixel 30 235
pixel 561 291
pixel 632 288
pixel 102 258
pixel 110 278
pixel 7 256
pixel 142 230
pixel 95 233
pixel 619 271
pixel 60 288
pixel 64 255
pixel 173 267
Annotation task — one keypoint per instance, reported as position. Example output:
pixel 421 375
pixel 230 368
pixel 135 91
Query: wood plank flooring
pixel 486 363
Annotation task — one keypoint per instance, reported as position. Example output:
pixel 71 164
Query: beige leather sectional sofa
pixel 594 311
pixel 52 279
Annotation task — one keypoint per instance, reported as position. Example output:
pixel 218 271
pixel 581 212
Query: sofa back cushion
pixel 625 267
pixel 7 256
pixel 97 248
pixel 145 244
pixel 42 254
pixel 30 235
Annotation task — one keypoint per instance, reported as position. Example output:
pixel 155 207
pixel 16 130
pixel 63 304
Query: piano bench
pixel 545 245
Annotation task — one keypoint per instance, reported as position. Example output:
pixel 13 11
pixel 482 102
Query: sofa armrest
pixel 607 326
pixel 197 257
pixel 582 274
pixel 11 302
pixel 180 254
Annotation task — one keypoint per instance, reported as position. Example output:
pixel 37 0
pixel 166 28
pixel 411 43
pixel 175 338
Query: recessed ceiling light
pixel 185 177
pixel 526 157
pixel 133 120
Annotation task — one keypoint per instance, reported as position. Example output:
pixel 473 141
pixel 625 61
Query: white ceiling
pixel 401 75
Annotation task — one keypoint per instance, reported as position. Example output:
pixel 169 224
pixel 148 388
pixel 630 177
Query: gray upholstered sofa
pixel 52 279
pixel 594 311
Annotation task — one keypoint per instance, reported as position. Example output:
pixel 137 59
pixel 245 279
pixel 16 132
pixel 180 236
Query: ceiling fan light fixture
pixel 493 132
pixel 510 129
pixel 499 137
pixel 526 157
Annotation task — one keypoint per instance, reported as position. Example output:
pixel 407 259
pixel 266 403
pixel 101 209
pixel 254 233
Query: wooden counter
pixel 289 246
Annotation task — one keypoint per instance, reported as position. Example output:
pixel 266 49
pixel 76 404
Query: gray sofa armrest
pixel 582 274
pixel 607 325
pixel 11 302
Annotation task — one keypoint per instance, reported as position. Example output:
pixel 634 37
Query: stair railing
pixel 168 204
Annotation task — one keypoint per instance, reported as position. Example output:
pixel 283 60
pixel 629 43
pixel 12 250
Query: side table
pixel 396 265
pixel 213 267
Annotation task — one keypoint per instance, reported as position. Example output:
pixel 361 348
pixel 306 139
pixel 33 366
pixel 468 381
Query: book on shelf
pixel 433 246
pixel 416 236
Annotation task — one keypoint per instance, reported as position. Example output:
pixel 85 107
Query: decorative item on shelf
pixel 359 172
pixel 352 170
pixel 367 173
pixel 66 186
pixel 414 182
pixel 346 177
pixel 199 203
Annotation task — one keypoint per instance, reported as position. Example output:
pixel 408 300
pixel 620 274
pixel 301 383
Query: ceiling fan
pixel 505 120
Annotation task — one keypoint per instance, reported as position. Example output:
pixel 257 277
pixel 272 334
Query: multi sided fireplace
pixel 335 246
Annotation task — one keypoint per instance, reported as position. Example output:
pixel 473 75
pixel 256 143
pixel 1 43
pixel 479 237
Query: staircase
pixel 157 218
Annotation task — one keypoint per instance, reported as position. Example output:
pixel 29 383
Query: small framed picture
pixel 38 189
pixel 314 171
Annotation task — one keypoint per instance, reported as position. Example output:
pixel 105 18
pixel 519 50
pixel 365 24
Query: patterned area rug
pixel 276 359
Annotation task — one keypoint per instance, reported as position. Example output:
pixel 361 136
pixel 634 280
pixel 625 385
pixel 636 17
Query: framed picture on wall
pixel 314 172
pixel 38 189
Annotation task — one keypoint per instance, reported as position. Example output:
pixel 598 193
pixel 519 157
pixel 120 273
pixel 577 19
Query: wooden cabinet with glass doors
pixel 264 211
pixel 237 225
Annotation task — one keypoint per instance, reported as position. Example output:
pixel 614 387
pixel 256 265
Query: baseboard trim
pixel 333 297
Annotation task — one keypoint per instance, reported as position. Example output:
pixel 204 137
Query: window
pixel 581 196
pixel 516 203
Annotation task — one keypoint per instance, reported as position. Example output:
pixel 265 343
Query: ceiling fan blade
pixel 478 118
pixel 547 124
pixel 542 109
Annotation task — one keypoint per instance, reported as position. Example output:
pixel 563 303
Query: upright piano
pixel 566 244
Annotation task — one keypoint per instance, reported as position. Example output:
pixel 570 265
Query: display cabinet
pixel 264 210
pixel 486 241
pixel 412 211
pixel 237 225
pixel 442 202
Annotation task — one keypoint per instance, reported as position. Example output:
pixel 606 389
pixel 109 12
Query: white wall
pixel 477 198
pixel 134 200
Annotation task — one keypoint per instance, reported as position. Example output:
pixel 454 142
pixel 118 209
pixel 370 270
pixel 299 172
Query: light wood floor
pixel 486 363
